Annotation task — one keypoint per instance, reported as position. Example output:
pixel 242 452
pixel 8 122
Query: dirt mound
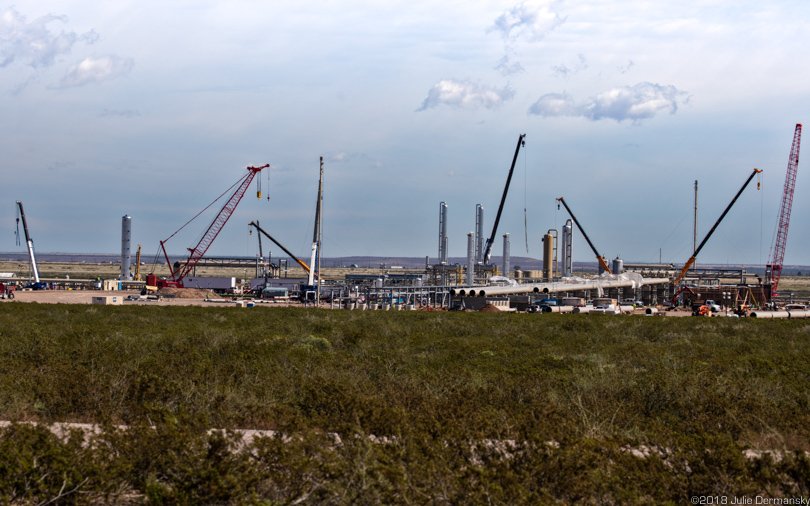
pixel 186 293
pixel 489 308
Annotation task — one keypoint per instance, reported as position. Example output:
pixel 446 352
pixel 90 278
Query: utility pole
pixel 320 234
pixel 694 241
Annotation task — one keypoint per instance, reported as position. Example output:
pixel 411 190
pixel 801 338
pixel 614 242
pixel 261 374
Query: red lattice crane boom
pixel 774 266
pixel 198 251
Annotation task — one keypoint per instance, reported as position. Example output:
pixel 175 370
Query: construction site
pixel 478 283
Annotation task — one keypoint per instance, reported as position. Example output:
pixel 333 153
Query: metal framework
pixel 599 257
pixel 198 251
pixel 491 240
pixel 711 231
pixel 774 267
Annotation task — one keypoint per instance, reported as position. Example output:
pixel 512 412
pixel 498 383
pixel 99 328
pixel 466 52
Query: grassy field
pixel 474 408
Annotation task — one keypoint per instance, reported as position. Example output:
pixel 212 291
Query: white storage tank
pixel 618 265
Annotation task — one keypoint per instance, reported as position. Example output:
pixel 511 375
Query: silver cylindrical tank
pixel 601 269
pixel 479 233
pixel 548 257
pixel 506 255
pixel 470 259
pixel 378 283
pixel 618 265
pixel 567 249
pixel 443 233
pixel 126 243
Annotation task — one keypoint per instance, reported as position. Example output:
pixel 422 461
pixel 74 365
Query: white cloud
pixel 534 19
pixel 338 157
pixel 565 72
pixel 507 69
pixel 554 104
pixel 33 42
pixel 466 95
pixel 61 164
pixel 626 68
pixel 642 101
pixel 95 70
pixel 123 113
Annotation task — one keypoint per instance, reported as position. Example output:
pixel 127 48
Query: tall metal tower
pixel 774 266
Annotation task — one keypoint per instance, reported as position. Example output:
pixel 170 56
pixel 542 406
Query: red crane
pixel 774 267
pixel 198 251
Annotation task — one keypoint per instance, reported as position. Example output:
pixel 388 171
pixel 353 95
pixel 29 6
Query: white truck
pixel 713 306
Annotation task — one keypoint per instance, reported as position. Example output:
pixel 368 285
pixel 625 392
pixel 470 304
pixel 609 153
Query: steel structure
pixel 491 240
pixel 774 266
pixel 316 234
pixel 599 257
pixel 32 259
pixel 285 250
pixel 443 233
pixel 198 251
pixel 703 243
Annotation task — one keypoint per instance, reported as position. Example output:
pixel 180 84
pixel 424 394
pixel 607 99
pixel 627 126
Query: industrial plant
pixel 477 284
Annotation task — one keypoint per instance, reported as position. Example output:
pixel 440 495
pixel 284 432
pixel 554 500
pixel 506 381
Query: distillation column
pixel 126 242
pixel 443 233
pixel 506 255
pixel 567 249
pixel 479 234
pixel 470 259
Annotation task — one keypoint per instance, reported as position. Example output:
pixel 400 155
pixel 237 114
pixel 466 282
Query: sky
pixel 154 109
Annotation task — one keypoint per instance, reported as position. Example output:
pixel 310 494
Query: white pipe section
pixel 553 287
pixel 771 314
pixel 559 309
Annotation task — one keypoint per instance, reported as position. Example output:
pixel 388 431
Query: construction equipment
pixel 32 260
pixel 309 292
pixel 491 240
pixel 773 270
pixel 7 290
pixel 316 234
pixel 697 250
pixel 198 251
pixel 599 257
pixel 701 310
pixel 684 289
pixel 285 250
pixel 138 264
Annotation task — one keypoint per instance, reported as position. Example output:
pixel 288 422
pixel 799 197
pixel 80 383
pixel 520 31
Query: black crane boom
pixel 700 247
pixel 491 240
pixel 593 248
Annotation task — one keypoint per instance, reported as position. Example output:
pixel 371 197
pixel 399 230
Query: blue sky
pixel 153 109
